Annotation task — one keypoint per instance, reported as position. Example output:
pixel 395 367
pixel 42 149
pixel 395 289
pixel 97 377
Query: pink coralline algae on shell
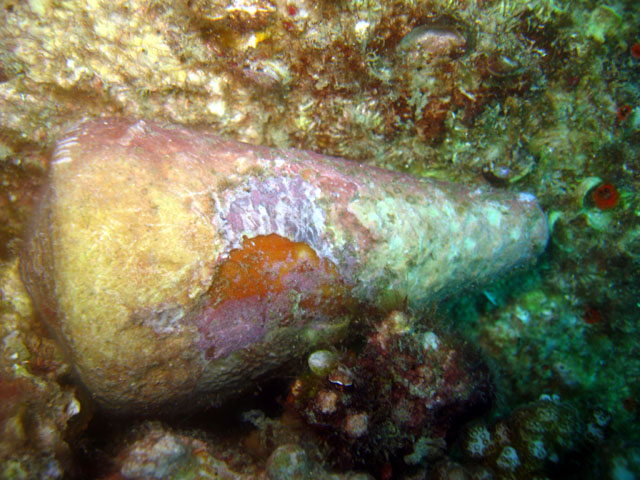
pixel 178 268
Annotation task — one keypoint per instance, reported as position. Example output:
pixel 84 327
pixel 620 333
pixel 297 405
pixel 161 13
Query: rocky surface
pixel 525 95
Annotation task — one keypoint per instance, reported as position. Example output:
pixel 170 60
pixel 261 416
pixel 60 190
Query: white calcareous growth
pixel 479 441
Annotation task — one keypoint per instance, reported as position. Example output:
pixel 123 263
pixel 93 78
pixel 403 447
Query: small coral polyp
pixel 606 196
pixel 524 444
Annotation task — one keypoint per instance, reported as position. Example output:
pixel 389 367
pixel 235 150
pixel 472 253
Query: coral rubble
pixel 397 398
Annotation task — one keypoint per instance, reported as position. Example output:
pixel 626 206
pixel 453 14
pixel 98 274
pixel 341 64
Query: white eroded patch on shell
pixel 285 205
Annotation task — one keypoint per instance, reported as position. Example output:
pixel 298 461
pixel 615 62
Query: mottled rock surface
pixel 39 417
pixel 400 396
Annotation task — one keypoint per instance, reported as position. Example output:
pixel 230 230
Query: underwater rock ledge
pixel 178 268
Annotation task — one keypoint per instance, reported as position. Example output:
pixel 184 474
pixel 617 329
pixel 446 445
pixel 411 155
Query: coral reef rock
pixel 405 390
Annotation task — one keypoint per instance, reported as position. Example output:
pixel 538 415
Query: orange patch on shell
pixel 266 265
